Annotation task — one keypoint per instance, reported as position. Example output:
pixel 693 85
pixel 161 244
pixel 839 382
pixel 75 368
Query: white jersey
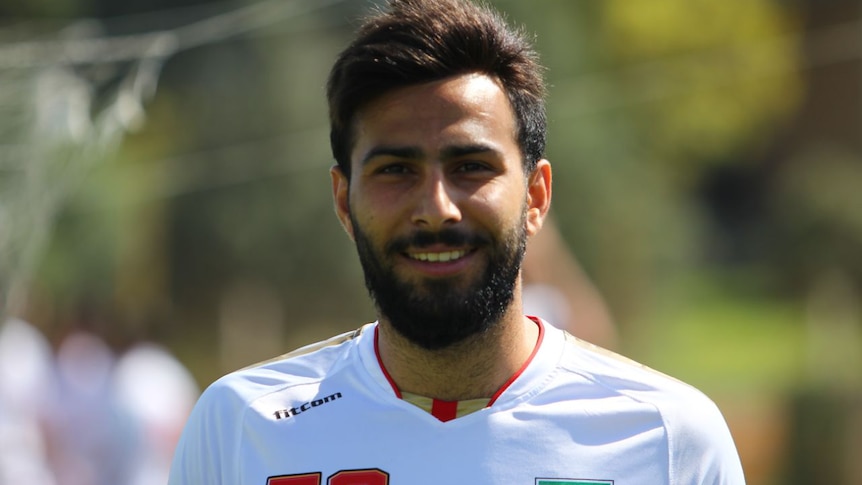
pixel 575 414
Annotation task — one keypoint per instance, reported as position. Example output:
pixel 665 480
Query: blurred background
pixel 166 215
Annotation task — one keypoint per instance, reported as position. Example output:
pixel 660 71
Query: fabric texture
pixel 576 414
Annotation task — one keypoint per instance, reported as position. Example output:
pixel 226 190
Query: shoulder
pixel 621 375
pixel 213 434
pixel 675 400
pixel 700 446
pixel 306 365
pixel 234 392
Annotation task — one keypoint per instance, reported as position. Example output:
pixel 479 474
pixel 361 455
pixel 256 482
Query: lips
pixel 439 256
pixel 442 253
pixel 438 262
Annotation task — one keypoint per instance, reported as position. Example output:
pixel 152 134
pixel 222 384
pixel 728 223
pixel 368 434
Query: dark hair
pixel 419 41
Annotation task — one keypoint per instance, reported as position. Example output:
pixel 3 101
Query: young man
pixel 438 128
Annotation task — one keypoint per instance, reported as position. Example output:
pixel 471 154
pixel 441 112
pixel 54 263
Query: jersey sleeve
pixel 208 447
pixel 702 451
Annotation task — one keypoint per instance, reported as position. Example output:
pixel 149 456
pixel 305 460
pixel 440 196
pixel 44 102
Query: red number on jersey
pixel 304 479
pixel 371 476
pixel 360 477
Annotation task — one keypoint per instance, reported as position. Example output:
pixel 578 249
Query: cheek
pixel 382 201
pixel 367 195
pixel 504 207
pixel 373 215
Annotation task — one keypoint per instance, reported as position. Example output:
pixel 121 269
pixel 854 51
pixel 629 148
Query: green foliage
pixel 816 214
pixel 724 341
pixel 704 77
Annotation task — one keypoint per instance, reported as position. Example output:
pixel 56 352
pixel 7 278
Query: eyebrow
pixel 411 153
pixel 415 153
pixel 456 151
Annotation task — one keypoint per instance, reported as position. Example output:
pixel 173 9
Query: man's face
pixel 439 207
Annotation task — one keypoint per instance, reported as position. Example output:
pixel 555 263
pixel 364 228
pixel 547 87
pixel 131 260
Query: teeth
pixel 439 257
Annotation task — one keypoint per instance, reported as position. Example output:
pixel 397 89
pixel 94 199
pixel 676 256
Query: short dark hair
pixel 418 41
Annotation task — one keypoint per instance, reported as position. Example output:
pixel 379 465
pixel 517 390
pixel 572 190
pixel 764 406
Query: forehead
pixel 459 109
pixel 468 93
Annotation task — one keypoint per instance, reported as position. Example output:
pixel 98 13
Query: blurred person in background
pixel 90 436
pixel 557 289
pixel 438 127
pixel 117 403
pixel 158 393
pixel 26 377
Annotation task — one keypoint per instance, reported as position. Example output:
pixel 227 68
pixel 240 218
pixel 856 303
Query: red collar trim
pixel 380 361
pixel 527 362
pixel 496 395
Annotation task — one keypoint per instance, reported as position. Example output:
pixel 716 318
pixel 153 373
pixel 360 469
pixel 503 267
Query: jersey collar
pixel 544 357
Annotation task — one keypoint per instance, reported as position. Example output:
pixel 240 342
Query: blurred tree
pixel 817 217
pixel 645 98
pixel 705 78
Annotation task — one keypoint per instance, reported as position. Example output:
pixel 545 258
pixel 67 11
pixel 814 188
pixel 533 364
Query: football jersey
pixel 575 414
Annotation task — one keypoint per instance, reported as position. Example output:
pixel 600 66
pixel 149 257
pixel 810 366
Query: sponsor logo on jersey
pixel 305 407
pixel 570 481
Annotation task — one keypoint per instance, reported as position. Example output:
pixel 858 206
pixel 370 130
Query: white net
pixel 67 101
pixel 54 132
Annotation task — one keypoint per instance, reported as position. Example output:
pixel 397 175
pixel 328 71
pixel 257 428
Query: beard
pixel 436 313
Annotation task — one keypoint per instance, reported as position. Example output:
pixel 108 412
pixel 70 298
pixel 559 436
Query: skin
pixel 436 155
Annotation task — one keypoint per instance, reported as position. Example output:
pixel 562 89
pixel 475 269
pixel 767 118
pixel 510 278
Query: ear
pixel 538 196
pixel 340 195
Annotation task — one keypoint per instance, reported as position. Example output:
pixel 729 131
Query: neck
pixel 471 369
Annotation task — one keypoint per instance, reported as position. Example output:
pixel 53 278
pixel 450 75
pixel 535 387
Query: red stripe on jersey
pixel 380 362
pixel 448 410
pixel 523 367
pixel 444 410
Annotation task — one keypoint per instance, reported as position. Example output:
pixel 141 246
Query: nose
pixel 436 204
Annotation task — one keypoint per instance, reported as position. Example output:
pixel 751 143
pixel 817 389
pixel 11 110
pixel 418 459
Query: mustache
pixel 449 237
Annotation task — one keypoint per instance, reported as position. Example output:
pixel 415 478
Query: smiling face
pixel 440 207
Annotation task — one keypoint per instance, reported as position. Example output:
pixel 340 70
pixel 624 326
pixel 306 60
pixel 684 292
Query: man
pixel 438 128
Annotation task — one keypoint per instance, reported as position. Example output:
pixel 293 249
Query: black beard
pixel 440 312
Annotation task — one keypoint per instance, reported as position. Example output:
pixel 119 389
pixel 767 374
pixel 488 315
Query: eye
pixel 393 169
pixel 472 167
